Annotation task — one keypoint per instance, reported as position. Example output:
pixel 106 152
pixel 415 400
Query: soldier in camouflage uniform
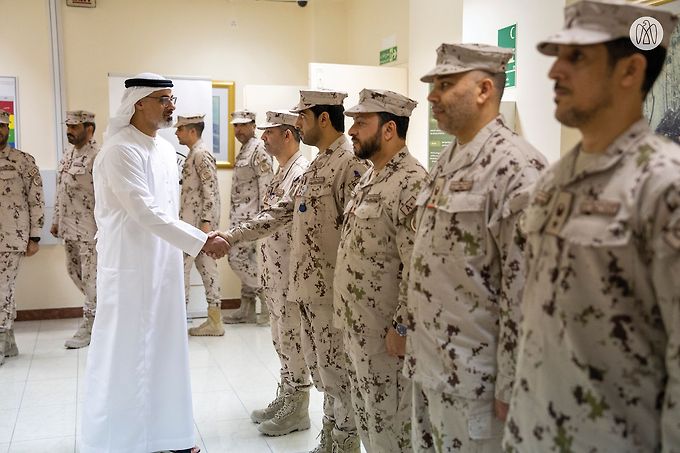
pixel 74 216
pixel 467 267
pixel 371 272
pixel 21 214
pixel 253 172
pixel 200 207
pixel 315 205
pixel 290 410
pixel 598 367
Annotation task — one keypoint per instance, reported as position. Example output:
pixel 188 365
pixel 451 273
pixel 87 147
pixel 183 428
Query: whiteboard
pixel 194 97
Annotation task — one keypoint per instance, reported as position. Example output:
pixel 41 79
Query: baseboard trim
pixel 77 312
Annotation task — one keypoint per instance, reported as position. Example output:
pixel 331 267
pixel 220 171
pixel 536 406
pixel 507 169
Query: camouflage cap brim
pixel 441 70
pixel 572 37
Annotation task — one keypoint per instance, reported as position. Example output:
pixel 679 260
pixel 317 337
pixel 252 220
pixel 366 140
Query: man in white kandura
pixel 137 387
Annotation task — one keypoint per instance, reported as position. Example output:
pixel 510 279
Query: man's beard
pixel 576 117
pixel 368 148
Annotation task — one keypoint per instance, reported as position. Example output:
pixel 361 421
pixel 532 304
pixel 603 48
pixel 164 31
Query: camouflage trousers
pixel 242 259
pixel 322 345
pixel 81 265
pixel 446 423
pixel 207 268
pixel 9 269
pixel 286 326
pixel 381 395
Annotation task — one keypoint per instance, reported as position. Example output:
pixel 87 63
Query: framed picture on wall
pixel 223 101
pixel 8 102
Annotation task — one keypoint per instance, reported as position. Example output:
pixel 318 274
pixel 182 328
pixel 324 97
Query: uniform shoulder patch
pixel 407 207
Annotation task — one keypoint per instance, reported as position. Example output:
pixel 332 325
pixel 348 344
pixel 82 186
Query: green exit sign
pixel 388 55
pixel 507 38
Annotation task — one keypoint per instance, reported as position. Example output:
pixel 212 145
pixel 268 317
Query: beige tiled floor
pixel 231 375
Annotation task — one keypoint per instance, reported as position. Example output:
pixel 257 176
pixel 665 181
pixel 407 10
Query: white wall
pixel 535 19
pixel 440 21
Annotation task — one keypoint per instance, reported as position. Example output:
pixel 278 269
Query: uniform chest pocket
pixel 76 170
pixel 317 191
pixel 8 174
pixel 460 225
pixel 597 231
pixel 368 211
pixel 369 237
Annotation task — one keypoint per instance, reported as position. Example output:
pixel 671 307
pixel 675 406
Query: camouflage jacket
pixel 374 255
pixel 467 268
pixel 21 204
pixel 74 205
pixel 599 356
pixel 315 206
pixel 200 196
pixel 276 248
pixel 252 173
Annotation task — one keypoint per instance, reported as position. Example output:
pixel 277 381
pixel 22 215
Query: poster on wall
pixel 507 38
pixel 8 102
pixel 437 139
pixel 662 106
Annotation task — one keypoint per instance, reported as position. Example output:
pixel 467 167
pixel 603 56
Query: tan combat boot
pixel 245 314
pixel 4 345
pixel 263 317
pixel 345 442
pixel 262 415
pixel 293 416
pixel 82 336
pixel 212 326
pixel 12 350
pixel 326 439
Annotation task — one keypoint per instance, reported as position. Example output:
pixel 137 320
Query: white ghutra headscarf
pixel 136 88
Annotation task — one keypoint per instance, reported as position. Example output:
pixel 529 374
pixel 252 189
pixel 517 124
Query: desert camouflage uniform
pixel 598 366
pixel 74 217
pixel 465 282
pixel 200 202
pixel 286 322
pixel 315 206
pixel 252 174
pixel 371 276
pixel 21 217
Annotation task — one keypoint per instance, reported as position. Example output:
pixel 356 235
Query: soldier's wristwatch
pixel 35 239
pixel 401 329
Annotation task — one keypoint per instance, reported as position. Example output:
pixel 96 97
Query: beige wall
pixel 369 22
pixel 441 21
pixel 26 54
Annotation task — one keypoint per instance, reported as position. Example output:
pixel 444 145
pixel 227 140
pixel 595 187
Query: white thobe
pixel 137 387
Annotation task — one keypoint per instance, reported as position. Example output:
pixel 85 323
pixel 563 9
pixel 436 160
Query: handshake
pixel 217 245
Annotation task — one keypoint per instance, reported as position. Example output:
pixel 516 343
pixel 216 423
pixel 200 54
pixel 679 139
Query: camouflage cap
pixel 279 118
pixel 594 22
pixel 374 101
pixel 457 58
pixel 4 117
pixel 184 120
pixel 242 117
pixel 311 98
pixel 74 117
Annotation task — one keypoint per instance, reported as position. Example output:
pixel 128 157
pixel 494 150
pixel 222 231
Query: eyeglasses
pixel 165 100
